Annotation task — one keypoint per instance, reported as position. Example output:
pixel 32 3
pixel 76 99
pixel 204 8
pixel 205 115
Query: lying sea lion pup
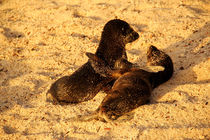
pixel 133 87
pixel 85 83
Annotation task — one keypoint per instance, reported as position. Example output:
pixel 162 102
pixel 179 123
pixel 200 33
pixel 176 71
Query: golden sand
pixel 42 40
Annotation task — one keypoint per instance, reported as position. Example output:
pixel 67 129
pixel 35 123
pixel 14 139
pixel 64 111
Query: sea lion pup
pixel 133 87
pixel 85 83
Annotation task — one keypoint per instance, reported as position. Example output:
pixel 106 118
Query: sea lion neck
pixel 110 51
pixel 160 77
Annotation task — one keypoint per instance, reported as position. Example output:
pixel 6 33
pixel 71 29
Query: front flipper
pixel 99 65
pixel 124 64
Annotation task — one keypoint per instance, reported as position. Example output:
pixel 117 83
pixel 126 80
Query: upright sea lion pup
pixel 133 88
pixel 85 83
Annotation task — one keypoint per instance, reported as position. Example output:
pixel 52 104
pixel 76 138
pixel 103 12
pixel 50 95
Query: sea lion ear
pixel 153 48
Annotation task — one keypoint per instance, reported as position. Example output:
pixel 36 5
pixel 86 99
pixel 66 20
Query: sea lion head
pixel 112 107
pixel 119 31
pixel 156 57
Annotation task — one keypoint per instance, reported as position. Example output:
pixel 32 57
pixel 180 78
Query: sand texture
pixel 43 40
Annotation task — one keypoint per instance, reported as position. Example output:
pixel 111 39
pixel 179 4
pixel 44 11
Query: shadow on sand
pixel 189 49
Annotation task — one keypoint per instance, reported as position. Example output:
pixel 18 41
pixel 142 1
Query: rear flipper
pixel 85 118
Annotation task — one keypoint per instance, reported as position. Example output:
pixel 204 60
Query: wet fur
pixel 133 86
pixel 85 83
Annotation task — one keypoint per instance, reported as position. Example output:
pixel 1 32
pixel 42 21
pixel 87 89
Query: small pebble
pixel 9 130
pixel 181 68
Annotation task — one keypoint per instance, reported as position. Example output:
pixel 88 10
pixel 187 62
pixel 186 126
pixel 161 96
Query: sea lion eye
pixel 123 31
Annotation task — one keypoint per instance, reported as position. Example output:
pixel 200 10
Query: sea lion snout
pixel 135 35
pixel 132 36
pixel 51 99
pixel 107 115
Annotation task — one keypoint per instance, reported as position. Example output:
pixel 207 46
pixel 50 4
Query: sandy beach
pixel 43 40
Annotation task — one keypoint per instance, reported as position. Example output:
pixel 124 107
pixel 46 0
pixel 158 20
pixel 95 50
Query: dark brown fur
pixel 85 83
pixel 133 87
